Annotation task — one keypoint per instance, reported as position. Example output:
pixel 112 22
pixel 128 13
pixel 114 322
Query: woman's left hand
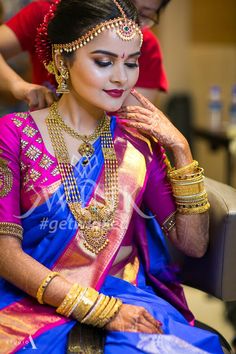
pixel 148 119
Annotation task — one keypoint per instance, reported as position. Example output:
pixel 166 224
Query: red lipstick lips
pixel 114 93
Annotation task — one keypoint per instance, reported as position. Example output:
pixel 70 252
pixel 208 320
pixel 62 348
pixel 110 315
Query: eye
pixel 102 63
pixel 132 65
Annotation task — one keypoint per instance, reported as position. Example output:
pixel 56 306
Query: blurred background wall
pixel 198 38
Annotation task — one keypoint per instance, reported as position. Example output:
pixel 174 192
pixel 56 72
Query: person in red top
pixel 18 34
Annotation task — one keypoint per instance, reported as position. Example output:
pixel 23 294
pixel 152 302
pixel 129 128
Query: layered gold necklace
pixel 96 219
pixel 86 149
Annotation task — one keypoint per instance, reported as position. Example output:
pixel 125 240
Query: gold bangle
pixel 68 300
pixel 107 309
pixel 71 305
pixel 92 314
pixel 188 190
pixel 186 181
pixel 76 302
pixel 95 317
pixel 109 312
pixel 194 210
pixel 191 197
pixel 113 311
pixel 183 170
pixel 198 173
pixel 43 286
pixel 85 304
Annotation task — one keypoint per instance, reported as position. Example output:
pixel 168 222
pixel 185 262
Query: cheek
pixel 133 77
pixel 89 76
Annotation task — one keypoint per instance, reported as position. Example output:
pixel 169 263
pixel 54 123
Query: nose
pixel 119 74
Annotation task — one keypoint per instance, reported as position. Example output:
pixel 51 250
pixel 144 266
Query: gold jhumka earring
pixel 62 76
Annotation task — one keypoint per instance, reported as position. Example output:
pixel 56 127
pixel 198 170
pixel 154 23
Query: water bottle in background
pixel 232 107
pixel 215 108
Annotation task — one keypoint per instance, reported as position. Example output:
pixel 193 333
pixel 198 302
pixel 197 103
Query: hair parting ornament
pixel 125 28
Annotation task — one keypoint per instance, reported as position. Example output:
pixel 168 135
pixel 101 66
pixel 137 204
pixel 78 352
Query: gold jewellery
pixel 125 28
pixel 44 285
pixel 188 189
pixel 96 219
pixel 87 306
pixel 85 149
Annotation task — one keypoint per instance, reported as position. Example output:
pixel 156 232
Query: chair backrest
pixel 215 272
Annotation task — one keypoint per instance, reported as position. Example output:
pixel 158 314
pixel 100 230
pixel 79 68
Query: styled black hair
pixel 162 6
pixel 74 18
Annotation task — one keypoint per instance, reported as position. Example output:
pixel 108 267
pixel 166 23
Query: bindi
pixel 123 55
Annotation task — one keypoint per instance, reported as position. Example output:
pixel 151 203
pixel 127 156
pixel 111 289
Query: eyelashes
pixel 103 64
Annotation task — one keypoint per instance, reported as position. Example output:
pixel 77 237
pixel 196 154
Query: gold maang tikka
pixel 96 219
pixel 125 28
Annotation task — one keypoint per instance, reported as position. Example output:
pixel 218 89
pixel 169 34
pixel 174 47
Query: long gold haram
pixel 96 219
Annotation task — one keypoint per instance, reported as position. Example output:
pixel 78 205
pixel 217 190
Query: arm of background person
pixel 36 96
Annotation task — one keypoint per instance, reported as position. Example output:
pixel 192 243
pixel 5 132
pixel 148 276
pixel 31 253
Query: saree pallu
pixel 25 325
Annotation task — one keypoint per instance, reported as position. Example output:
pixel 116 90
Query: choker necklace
pixel 86 149
pixel 96 219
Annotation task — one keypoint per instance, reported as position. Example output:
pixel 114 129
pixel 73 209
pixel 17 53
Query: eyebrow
pixel 113 54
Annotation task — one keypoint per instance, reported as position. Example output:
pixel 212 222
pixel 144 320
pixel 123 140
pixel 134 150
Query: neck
pixel 79 115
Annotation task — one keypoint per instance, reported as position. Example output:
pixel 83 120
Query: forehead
pixel 110 41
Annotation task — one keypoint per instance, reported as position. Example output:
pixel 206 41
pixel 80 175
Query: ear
pixel 59 61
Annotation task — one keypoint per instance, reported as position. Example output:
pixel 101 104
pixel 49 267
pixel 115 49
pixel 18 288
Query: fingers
pixel 134 117
pixel 135 109
pixel 145 323
pixel 150 318
pixel 50 98
pixel 143 127
pixel 143 100
pixel 40 98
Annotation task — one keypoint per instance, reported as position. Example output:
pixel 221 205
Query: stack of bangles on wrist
pixel 188 189
pixel 86 305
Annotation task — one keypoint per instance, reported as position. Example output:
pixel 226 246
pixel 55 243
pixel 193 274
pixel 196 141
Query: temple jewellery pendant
pixel 86 150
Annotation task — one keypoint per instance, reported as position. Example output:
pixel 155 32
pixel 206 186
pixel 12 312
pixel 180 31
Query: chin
pixel 112 107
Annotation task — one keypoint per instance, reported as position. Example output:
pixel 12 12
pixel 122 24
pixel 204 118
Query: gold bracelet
pixel 194 209
pixel 76 302
pixel 104 318
pixel 69 299
pixel 106 310
pixel 112 313
pixel 85 304
pixel 194 176
pixel 188 189
pixel 95 316
pixel 43 286
pixel 71 305
pixel 195 198
pixel 92 314
pixel 188 179
pixel 183 170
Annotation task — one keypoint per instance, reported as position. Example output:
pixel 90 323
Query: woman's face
pixel 104 71
pixel 147 10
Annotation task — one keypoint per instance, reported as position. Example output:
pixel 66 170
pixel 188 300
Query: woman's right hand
pixel 132 318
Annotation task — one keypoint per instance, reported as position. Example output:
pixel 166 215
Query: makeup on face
pixel 104 71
